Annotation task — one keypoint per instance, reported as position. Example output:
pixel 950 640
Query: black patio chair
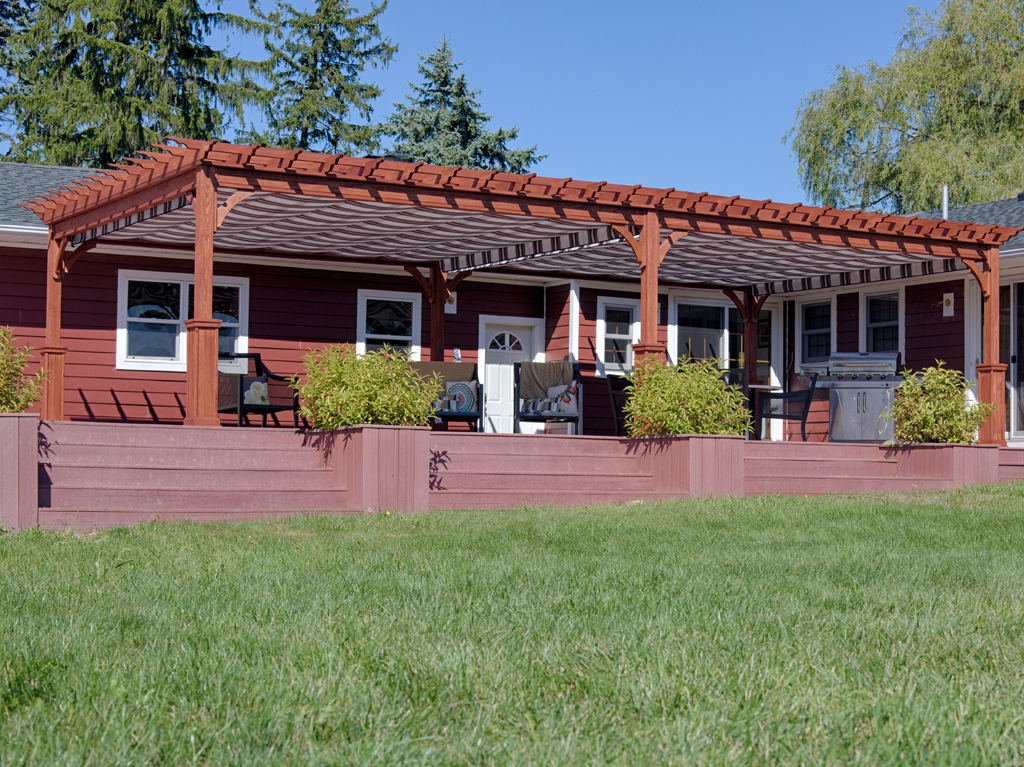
pixel 553 374
pixel 780 405
pixel 618 396
pixel 246 385
pixel 455 372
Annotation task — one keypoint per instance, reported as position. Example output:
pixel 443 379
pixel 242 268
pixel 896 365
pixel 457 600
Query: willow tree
pixel 96 80
pixel 442 122
pixel 948 109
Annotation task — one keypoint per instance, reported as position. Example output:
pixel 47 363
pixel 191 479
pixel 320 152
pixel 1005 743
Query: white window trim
pixel 177 365
pixel 673 321
pixel 862 314
pixel 608 302
pixel 389 295
pixel 820 365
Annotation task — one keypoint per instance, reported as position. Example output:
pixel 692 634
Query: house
pixel 129 281
pixel 296 267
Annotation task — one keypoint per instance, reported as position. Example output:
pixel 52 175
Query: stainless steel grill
pixel 861 389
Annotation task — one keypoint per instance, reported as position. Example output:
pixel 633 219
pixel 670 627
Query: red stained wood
pixel 848 322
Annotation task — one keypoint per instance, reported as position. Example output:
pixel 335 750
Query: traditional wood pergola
pixel 195 197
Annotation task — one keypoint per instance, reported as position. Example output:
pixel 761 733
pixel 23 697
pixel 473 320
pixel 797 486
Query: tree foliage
pixel 315 77
pixel 342 388
pixel 948 108
pixel 690 398
pixel 95 80
pixel 442 122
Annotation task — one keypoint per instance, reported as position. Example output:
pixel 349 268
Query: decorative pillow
pixel 255 391
pixel 541 405
pixel 567 397
pixel 460 397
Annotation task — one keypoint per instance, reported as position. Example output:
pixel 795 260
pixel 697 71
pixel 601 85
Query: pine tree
pixel 315 85
pixel 442 122
pixel 101 79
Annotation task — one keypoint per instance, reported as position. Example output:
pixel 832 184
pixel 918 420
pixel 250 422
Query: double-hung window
pixel 388 318
pixel 817 333
pixel 883 323
pixel 618 328
pixel 151 311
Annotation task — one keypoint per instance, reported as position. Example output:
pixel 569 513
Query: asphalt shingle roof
pixel 1000 212
pixel 20 182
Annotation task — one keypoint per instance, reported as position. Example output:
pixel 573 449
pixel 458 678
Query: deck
pixel 89 475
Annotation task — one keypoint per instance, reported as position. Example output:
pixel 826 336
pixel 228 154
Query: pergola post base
pixel 992 389
pixel 650 350
pixel 51 407
pixel 201 382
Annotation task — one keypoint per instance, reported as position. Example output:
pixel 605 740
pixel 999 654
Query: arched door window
pixel 505 342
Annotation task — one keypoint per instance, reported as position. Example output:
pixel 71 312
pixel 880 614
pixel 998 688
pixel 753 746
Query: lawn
pixel 868 630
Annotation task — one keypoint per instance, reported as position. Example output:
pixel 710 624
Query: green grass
pixel 759 631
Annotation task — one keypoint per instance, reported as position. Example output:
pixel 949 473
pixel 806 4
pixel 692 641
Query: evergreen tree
pixel 949 108
pixel 442 122
pixel 101 79
pixel 315 85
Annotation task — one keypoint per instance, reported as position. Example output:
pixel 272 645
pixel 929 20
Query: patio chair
pixel 463 398
pixel 781 405
pixel 618 396
pixel 246 385
pixel 534 400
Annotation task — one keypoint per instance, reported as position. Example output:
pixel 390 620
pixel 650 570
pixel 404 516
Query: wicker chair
pixel 245 385
pixel 558 374
pixel 454 372
pixel 781 406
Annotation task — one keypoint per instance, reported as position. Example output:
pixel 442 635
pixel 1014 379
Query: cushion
pixel 567 397
pixel 541 405
pixel 460 397
pixel 255 391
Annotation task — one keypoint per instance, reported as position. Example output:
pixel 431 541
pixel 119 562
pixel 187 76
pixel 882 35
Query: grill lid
pixel 864 362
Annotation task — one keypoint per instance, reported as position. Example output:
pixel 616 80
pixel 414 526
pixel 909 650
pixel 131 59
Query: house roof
pixel 19 181
pixel 1009 213
pixel 295 203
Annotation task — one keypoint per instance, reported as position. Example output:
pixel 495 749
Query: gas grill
pixel 860 390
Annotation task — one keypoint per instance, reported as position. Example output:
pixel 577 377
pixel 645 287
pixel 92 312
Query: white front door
pixel 505 345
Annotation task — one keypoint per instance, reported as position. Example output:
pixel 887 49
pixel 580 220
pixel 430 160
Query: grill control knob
pixel 867 377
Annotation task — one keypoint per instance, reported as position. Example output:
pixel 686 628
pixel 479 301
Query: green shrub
pixel 17 390
pixel 379 387
pixel 683 399
pixel 932 406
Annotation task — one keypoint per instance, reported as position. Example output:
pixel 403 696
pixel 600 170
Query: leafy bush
pixel 932 406
pixel 379 387
pixel 17 390
pixel 684 399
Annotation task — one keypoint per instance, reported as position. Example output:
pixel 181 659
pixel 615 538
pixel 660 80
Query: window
pixel 391 318
pixel 151 311
pixel 618 328
pixel 817 332
pixel 883 323
pixel 701 332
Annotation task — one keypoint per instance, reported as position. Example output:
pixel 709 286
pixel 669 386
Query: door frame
pixel 536 326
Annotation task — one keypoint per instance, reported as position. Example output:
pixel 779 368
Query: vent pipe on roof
pixel 945 201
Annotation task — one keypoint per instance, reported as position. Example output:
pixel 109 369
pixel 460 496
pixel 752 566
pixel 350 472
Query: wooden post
pixel 51 408
pixel 991 374
pixel 650 252
pixel 749 309
pixel 203 331
pixel 438 289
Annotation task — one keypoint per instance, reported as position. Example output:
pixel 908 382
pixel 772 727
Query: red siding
pixel 556 325
pixel 848 322
pixel 929 335
pixel 290 312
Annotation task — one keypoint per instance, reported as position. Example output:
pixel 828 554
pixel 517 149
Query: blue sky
pixel 691 95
